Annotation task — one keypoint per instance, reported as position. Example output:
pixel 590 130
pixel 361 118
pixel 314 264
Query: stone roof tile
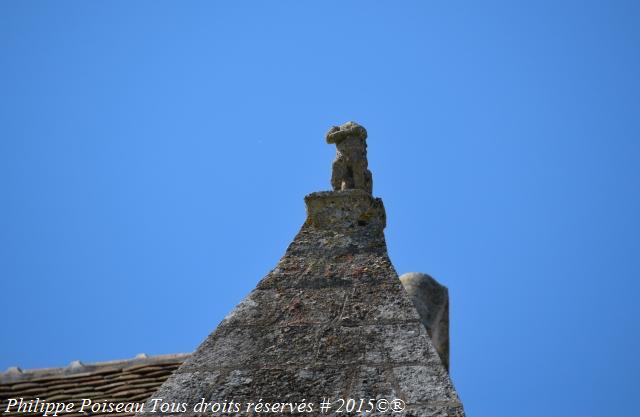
pixel 131 380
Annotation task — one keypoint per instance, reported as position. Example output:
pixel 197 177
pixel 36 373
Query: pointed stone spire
pixel 331 320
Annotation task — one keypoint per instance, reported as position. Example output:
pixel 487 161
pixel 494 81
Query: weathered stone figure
pixel 350 166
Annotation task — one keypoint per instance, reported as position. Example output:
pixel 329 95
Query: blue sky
pixel 154 157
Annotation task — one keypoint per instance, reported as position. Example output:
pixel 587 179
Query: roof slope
pixel 132 380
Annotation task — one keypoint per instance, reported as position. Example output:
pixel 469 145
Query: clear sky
pixel 154 157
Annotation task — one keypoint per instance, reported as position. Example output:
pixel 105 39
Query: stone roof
pixel 331 320
pixel 129 380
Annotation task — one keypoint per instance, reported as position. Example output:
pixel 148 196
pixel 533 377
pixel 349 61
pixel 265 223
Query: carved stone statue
pixel 350 166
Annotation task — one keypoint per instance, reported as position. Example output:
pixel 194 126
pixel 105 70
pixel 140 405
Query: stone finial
pixel 350 166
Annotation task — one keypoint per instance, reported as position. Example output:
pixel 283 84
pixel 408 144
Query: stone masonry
pixel 331 320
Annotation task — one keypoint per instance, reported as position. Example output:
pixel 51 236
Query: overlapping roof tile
pixel 131 380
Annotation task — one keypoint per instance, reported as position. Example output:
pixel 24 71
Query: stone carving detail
pixel 350 166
